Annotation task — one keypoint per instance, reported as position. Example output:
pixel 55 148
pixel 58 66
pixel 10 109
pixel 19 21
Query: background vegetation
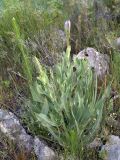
pixel 35 32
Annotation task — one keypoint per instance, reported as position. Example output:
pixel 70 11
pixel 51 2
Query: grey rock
pixel 10 126
pixel 112 148
pixel 97 61
pixel 42 151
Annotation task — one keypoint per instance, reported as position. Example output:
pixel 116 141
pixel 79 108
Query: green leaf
pixel 35 94
pixel 45 120
pixel 45 108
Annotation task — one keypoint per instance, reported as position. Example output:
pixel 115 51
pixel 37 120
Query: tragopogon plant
pixel 68 105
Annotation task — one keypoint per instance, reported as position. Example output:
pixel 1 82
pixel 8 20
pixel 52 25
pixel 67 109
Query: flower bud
pixel 67 26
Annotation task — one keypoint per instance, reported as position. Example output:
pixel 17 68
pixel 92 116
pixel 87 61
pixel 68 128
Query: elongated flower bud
pixel 67 26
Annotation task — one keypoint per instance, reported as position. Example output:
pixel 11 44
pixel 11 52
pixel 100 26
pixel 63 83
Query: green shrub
pixel 67 105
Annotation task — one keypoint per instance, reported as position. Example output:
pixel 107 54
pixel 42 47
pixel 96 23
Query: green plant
pixel 68 105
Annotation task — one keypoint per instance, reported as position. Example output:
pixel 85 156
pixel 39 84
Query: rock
pixel 111 148
pixel 97 61
pixel 42 151
pixel 11 127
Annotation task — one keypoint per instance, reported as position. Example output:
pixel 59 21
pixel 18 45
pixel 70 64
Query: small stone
pixel 112 148
pixel 42 151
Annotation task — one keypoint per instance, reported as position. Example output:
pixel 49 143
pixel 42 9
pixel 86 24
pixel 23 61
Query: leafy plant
pixel 68 105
